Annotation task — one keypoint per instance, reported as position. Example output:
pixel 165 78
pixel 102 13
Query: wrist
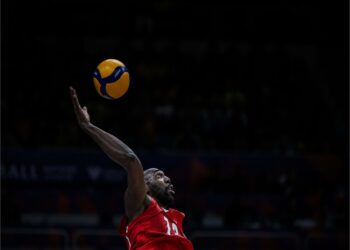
pixel 86 126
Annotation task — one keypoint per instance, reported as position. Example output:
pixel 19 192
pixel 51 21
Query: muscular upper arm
pixel 135 197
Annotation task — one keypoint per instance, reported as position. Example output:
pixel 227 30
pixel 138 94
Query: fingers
pixel 74 97
pixel 81 113
pixel 72 91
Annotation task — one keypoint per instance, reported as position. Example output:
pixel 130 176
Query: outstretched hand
pixel 81 113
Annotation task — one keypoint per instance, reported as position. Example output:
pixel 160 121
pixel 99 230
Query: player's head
pixel 159 186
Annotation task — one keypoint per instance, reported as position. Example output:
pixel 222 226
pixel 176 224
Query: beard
pixel 163 195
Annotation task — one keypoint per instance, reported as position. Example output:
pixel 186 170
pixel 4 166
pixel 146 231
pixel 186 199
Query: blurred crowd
pixel 229 79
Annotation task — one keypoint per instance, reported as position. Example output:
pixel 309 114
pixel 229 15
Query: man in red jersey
pixel 149 223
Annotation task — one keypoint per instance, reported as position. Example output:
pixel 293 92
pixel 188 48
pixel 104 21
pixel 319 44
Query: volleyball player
pixel 149 222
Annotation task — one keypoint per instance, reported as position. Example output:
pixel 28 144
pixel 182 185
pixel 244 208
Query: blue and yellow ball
pixel 111 79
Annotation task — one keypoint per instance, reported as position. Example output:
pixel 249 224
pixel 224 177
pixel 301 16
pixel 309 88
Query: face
pixel 160 187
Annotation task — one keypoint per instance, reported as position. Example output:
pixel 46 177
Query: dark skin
pixel 159 187
pixel 138 192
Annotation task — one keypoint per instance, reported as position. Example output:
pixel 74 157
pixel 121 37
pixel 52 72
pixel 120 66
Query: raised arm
pixel 119 152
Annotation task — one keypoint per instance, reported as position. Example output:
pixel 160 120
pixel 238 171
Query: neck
pixel 161 204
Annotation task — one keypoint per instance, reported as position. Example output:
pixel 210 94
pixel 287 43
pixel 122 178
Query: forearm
pixel 118 151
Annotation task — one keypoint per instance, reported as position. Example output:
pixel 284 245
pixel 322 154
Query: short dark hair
pixel 148 174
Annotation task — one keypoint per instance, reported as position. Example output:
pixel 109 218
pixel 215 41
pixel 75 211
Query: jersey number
pixel 172 229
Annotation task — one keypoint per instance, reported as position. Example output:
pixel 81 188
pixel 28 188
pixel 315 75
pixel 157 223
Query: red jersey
pixel 156 228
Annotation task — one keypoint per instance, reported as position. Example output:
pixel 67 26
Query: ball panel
pixel 119 87
pixel 107 66
pixel 97 86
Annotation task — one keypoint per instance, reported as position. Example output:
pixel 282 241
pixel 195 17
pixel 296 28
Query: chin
pixel 171 200
pixel 168 200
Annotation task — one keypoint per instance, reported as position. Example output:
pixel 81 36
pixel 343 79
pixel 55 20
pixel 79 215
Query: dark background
pixel 221 80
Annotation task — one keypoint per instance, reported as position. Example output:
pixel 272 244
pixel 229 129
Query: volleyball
pixel 111 79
